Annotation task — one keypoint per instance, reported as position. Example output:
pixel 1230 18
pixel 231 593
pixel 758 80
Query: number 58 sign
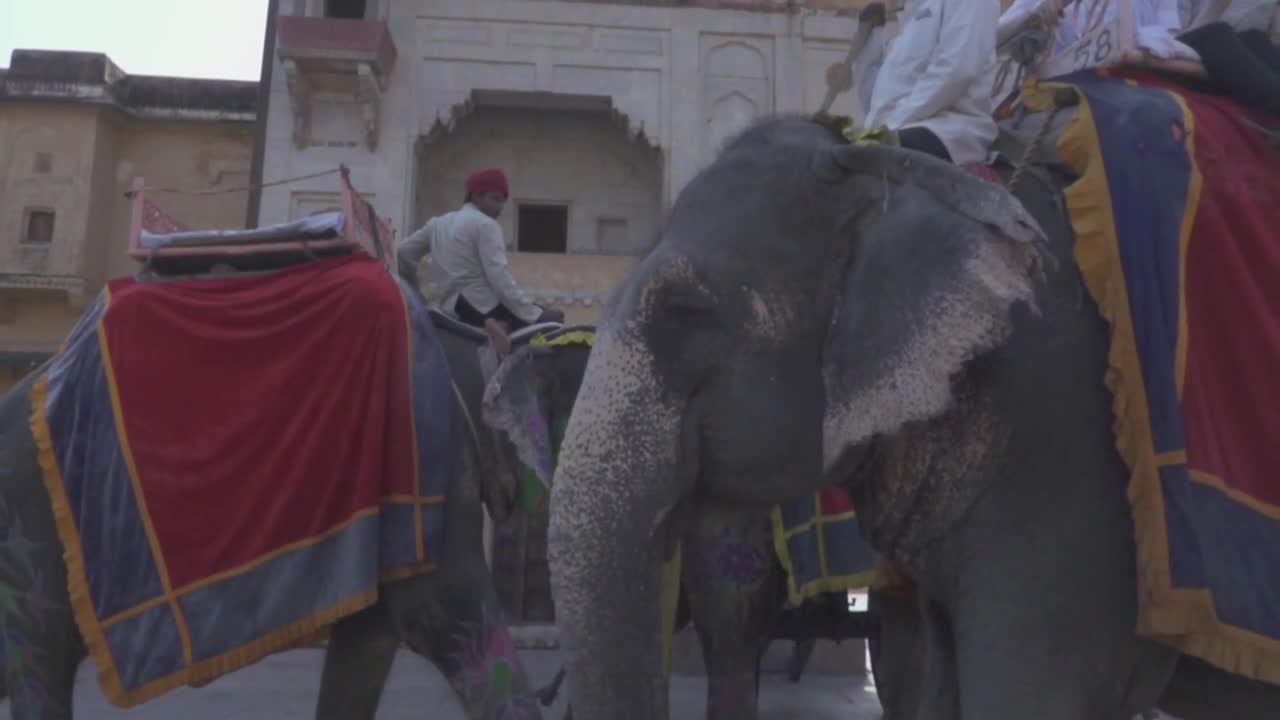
pixel 1104 45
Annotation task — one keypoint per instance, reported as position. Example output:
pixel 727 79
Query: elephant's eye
pixel 687 307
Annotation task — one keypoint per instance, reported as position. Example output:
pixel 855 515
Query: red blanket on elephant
pixel 1176 214
pixel 235 463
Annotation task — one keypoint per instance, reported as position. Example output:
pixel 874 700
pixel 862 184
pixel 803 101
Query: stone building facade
pixel 74 132
pixel 600 111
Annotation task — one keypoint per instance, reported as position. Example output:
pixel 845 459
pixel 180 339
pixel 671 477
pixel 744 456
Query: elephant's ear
pixel 930 283
pixel 513 405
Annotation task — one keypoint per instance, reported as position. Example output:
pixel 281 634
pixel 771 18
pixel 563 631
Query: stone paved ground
pixel 283 687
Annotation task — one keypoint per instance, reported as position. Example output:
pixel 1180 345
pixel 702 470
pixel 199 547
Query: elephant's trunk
pixel 614 487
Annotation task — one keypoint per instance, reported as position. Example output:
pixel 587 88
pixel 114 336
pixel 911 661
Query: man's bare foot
pixel 498 336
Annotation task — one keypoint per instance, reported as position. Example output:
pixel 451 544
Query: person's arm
pixel 965 48
pixel 1020 13
pixel 1212 10
pixel 867 67
pixel 411 250
pixel 493 258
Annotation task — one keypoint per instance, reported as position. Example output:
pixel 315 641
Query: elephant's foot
pixel 732 696
pixel 490 678
pixel 799 658
pixel 547 695
pixel 356 664
pixel 39 655
pixel 39 679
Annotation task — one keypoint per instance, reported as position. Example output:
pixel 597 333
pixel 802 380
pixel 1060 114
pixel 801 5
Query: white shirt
pixel 466 245
pixel 1156 23
pixel 935 75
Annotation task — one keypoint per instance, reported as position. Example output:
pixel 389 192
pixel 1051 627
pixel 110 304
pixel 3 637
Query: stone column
pixel 684 156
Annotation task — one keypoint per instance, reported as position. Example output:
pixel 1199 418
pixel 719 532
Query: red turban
pixel 484 181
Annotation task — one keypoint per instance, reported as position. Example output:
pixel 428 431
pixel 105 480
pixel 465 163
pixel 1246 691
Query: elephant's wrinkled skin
pixel 732 585
pixel 817 313
pixel 438 616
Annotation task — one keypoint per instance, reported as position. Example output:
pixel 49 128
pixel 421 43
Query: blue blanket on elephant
pixel 820 545
pixel 236 463
pixel 1175 211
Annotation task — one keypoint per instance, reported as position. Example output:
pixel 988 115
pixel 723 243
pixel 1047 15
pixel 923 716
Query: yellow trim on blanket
pixel 419 543
pixel 1179 457
pixel 827 583
pixel 126 448
pixel 1194 183
pixel 194 674
pixel 1184 619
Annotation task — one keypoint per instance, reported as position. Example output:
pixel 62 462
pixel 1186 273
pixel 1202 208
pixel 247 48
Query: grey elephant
pixel 451 617
pixel 732 585
pixel 817 312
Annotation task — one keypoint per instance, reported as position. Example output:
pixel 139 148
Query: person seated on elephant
pixel 1238 55
pixel 930 93
pixel 467 246
pixel 1156 22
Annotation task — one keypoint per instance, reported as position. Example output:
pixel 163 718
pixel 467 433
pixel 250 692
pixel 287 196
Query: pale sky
pixel 188 38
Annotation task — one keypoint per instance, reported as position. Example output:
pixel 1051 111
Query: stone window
pixel 542 228
pixel 351 9
pixel 612 237
pixel 39 227
pixel 43 164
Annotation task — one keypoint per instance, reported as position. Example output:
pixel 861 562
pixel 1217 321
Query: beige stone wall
pixel 578 284
pixel 62 136
pixel 78 160
pixel 180 154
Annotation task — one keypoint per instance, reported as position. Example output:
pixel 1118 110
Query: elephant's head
pixel 531 390
pixel 805 296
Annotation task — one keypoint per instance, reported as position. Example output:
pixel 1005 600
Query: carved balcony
pixel 352 58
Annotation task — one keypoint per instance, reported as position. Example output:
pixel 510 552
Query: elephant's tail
pixel 547 695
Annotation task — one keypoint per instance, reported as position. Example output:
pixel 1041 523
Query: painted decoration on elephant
pixel 27 598
pixel 731 558
pixel 1175 214
pixel 489 667
pixel 203 440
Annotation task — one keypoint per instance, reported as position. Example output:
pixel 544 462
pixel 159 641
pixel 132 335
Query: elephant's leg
pixel 41 656
pixel 1199 691
pixel 1039 585
pixel 455 620
pixel 935 647
pixel 356 664
pixel 800 658
pixel 734 587
pixel 897 653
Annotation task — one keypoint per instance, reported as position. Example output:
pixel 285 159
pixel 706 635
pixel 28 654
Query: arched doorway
pixel 579 184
